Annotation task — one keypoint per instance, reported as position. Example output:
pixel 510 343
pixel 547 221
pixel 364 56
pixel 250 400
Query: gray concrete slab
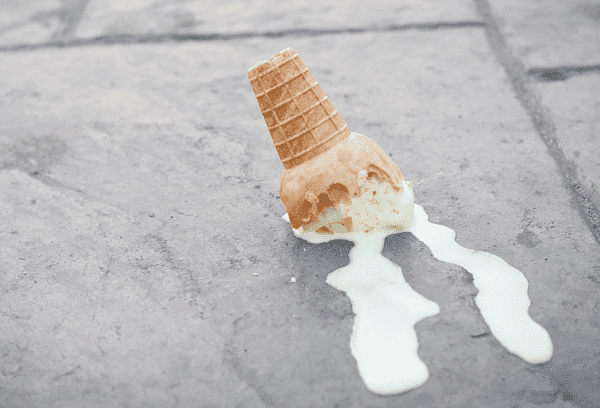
pixel 119 17
pixel 140 197
pixel 550 33
pixel 28 21
pixel 574 106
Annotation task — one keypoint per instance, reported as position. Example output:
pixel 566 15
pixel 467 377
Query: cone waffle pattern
pixel 302 121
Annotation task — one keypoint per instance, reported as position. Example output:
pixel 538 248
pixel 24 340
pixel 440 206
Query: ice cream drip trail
pixel 384 342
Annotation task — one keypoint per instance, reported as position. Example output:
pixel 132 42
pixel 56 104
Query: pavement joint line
pixel 526 92
pixel 561 73
pixel 176 37
pixel 521 80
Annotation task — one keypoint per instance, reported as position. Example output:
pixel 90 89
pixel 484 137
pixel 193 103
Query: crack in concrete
pixel 81 194
pixel 531 100
pixel 68 373
pixel 561 73
pixel 154 242
pixel 174 37
pixel 234 362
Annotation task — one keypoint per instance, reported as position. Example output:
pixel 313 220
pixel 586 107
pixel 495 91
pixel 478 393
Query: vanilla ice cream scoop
pixel 333 181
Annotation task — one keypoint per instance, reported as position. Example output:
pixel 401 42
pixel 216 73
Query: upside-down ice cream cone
pixel 300 118
pixel 327 169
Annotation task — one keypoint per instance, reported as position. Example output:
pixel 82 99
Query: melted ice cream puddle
pixel 384 342
pixel 502 298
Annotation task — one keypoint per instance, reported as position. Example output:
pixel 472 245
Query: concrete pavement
pixel 139 198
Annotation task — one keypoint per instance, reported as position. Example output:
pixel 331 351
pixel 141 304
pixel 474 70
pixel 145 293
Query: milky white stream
pixel 384 342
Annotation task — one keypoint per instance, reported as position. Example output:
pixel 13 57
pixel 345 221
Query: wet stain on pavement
pixel 528 238
pixel 576 385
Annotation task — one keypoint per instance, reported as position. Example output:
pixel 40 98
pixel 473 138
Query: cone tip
pixel 270 62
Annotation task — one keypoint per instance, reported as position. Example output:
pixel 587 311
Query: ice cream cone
pixel 302 121
pixel 325 165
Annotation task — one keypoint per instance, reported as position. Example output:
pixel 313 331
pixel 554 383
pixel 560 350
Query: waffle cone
pixel 302 121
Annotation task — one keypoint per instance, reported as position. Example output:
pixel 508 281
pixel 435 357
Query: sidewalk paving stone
pixel 140 197
pixel 551 33
pixel 28 21
pixel 118 17
pixel 575 105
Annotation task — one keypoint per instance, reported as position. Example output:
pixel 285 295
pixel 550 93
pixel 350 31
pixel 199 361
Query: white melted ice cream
pixel 384 342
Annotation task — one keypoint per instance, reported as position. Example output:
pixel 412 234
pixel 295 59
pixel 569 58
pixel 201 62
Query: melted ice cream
pixel 378 207
pixel 384 342
pixel 502 297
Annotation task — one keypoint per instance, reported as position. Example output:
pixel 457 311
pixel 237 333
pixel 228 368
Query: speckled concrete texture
pixel 550 33
pixel 28 21
pixel 144 261
pixel 38 22
pixel 118 17
pixel 575 104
